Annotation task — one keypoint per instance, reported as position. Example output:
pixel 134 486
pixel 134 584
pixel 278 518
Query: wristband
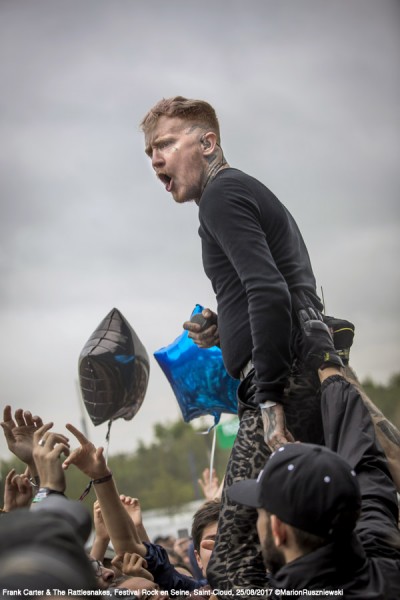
pixel 94 481
pixel 44 492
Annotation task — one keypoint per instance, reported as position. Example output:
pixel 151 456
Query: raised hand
pixel 47 449
pixel 210 486
pixel 133 508
pixel 19 434
pixel 87 458
pixel 17 491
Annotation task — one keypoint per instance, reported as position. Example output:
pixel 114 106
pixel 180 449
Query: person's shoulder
pixel 231 174
pixel 227 184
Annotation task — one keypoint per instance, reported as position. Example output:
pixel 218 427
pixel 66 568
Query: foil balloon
pixel 198 378
pixel 113 370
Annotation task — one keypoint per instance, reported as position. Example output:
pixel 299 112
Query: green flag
pixel 226 433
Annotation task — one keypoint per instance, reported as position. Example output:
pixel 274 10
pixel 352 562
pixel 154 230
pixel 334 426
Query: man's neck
pixel 216 163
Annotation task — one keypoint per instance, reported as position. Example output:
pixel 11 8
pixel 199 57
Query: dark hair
pixel 207 514
pixel 196 112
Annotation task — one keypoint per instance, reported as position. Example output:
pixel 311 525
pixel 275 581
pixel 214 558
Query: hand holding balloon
pixel 196 371
pixel 203 329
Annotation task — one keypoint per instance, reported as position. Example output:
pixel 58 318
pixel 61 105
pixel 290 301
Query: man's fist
pixel 318 348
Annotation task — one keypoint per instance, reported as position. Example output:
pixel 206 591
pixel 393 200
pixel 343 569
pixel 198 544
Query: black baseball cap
pixel 306 486
pixel 71 511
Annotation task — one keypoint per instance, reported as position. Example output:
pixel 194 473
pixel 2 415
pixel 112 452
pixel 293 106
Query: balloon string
pixel 212 454
pixel 108 439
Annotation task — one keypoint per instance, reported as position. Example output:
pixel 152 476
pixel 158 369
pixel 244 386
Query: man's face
pixel 104 576
pixel 206 546
pixel 175 150
pixel 274 558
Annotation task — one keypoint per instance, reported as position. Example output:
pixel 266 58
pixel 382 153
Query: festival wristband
pixel 95 481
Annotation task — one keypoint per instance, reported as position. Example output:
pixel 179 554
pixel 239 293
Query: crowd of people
pixel 49 542
pixel 309 503
pixel 326 516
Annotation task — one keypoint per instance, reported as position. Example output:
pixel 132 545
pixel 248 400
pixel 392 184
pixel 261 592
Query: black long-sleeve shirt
pixel 255 257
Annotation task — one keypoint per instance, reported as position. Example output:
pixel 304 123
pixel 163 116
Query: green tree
pixel 164 473
pixel 386 397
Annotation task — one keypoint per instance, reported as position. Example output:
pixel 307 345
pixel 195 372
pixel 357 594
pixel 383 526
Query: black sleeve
pixel 349 431
pixel 167 577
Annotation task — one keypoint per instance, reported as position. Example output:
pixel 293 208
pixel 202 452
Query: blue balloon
pixel 198 377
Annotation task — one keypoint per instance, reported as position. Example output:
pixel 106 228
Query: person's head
pixel 306 496
pixel 104 575
pixel 182 138
pixel 166 541
pixel 204 531
pixel 42 549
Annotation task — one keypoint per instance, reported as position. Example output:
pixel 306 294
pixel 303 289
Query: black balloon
pixel 113 370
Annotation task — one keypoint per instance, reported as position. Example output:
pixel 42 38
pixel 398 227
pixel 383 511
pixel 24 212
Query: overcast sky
pixel 307 94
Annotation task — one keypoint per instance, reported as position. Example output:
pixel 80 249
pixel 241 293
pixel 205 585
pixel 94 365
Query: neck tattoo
pixel 217 163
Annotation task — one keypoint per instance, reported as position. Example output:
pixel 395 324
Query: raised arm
pixel 19 435
pixel 90 460
pixel 48 447
pixel 133 508
pixel 17 491
pixel 349 431
pixel 101 537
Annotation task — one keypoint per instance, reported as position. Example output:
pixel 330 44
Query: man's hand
pixel 17 491
pixel 210 485
pixel 319 351
pixel 275 432
pixel 303 308
pixel 204 335
pixel 47 450
pixel 133 508
pixel 342 332
pixel 19 434
pixel 87 458
pixel 133 565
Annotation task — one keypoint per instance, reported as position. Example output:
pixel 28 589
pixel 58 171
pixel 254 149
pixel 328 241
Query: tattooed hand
pixel 275 432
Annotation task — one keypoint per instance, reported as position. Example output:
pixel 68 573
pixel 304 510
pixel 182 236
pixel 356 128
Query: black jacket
pixel 367 565
pixel 343 567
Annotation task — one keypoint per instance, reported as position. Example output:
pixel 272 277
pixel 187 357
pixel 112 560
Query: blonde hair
pixel 195 112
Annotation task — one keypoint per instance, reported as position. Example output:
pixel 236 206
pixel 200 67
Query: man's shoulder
pixel 230 183
pixel 232 174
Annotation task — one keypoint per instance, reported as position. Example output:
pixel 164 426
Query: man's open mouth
pixel 166 180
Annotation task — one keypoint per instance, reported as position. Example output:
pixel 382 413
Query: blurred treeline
pixel 164 473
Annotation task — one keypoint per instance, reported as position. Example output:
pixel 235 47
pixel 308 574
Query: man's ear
pixel 279 531
pixel 208 143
